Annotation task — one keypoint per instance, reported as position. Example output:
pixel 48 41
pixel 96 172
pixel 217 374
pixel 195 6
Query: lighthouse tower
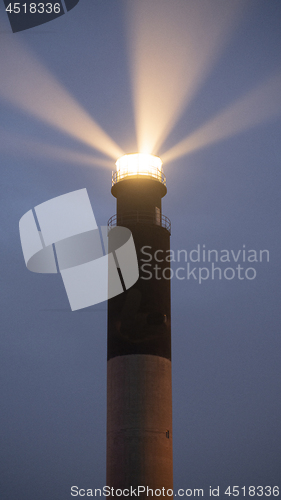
pixel 139 388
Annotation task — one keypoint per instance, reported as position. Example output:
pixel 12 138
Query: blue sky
pixel 223 194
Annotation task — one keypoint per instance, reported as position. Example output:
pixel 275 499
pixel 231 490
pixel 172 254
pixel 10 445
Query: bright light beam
pixel 25 83
pixel 19 145
pixel 138 165
pixel 262 103
pixel 173 45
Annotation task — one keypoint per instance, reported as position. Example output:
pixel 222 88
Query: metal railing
pixel 141 218
pixel 151 172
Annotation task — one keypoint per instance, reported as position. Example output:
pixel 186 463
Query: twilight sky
pixel 199 83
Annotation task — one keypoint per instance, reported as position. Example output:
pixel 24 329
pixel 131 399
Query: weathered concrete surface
pixel 139 422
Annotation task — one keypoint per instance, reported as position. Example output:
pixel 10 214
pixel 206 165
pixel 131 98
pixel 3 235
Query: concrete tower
pixel 139 389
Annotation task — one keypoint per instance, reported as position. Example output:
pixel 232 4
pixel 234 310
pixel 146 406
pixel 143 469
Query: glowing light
pixel 31 148
pixel 173 46
pixel 139 164
pixel 28 85
pixel 258 105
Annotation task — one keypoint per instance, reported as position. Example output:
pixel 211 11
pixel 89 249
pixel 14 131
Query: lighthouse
pixel 139 383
